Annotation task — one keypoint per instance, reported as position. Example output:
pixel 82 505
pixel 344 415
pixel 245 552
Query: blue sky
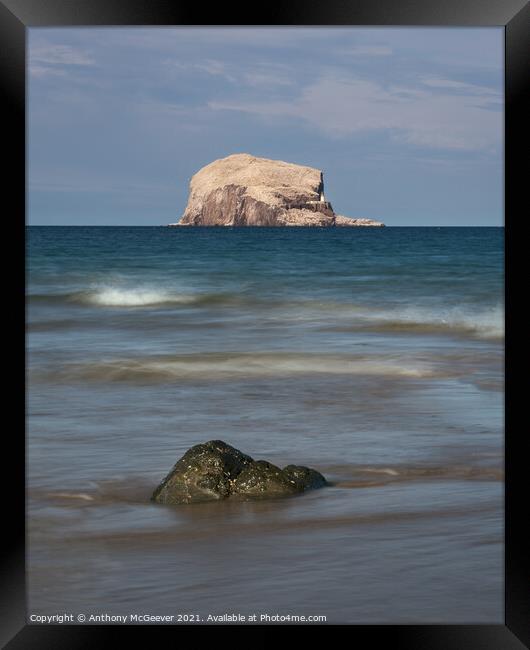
pixel 406 123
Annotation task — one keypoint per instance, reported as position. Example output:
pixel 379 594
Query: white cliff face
pixel 271 181
pixel 243 190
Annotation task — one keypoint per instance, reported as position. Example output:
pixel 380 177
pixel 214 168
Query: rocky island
pixel 215 470
pixel 243 190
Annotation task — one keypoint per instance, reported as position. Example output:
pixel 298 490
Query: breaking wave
pixel 466 321
pixel 115 297
pixel 112 296
pixel 218 366
pixel 488 324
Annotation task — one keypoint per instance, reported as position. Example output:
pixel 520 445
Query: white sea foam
pixel 485 322
pixel 482 323
pixel 72 495
pixel 286 367
pixel 382 470
pixel 239 365
pixel 132 297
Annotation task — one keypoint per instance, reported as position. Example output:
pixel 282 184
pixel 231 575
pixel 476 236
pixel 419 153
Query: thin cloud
pixel 211 67
pixel 258 79
pixel 367 50
pixel 41 71
pixel 256 76
pixel 451 84
pixel 341 107
pixel 165 38
pixel 60 55
pixel 54 60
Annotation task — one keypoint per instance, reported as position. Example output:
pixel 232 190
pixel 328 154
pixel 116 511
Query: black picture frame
pixel 18 15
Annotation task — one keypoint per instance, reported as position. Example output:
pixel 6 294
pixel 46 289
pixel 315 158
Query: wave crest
pixel 487 323
pixel 218 366
pixel 131 297
pixel 463 321
pixel 115 296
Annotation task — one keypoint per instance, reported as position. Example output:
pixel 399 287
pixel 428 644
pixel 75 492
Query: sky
pixel 406 123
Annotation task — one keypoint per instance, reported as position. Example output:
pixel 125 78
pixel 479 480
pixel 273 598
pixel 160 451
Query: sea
pixel 374 355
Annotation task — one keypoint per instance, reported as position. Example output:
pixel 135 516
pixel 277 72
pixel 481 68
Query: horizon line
pixel 162 225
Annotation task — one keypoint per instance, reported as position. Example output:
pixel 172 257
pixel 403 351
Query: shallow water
pixel 373 355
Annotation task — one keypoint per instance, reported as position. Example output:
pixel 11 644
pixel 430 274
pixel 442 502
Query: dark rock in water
pixel 204 473
pixel 304 478
pixel 262 479
pixel 215 470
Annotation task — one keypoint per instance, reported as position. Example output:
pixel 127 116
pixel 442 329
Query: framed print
pixel 267 264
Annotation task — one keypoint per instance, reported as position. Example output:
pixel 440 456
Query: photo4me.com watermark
pixel 122 619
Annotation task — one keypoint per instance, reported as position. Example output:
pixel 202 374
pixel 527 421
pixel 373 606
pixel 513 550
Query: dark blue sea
pixel 374 355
